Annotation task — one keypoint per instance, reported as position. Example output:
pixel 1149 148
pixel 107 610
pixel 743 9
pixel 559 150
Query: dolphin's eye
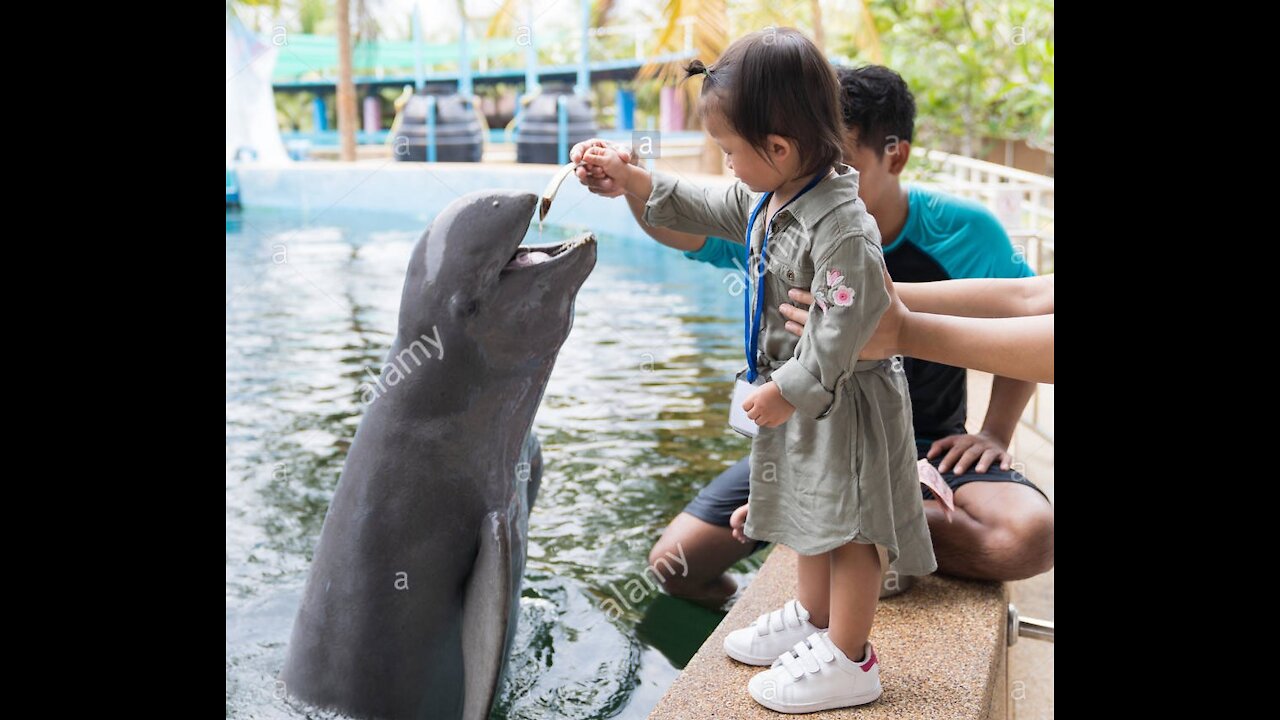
pixel 463 306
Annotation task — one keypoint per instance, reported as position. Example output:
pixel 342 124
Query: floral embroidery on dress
pixel 834 293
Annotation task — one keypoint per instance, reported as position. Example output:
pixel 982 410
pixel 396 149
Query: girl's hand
pixel 606 164
pixel 766 407
pixel 737 521
pixel 592 176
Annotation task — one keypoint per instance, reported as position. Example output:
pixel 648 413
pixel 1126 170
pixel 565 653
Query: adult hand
pixel 796 317
pixel 593 176
pixel 883 344
pixel 964 451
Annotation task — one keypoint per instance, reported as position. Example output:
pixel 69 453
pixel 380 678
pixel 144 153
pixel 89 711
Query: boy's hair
pixel 876 101
pixel 777 82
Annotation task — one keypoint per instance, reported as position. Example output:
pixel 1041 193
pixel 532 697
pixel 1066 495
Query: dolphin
pixel 411 604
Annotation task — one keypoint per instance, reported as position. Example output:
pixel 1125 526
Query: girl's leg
pixel 855 590
pixel 814 586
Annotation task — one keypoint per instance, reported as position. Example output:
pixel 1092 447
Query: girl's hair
pixel 776 82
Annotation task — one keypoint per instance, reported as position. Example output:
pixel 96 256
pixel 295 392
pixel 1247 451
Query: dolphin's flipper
pixel 533 453
pixel 486 610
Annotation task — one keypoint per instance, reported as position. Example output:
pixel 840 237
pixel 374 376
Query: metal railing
pixel 1023 202
pixel 1034 628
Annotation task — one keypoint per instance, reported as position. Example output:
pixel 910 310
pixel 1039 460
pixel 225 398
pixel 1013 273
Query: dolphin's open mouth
pixel 528 256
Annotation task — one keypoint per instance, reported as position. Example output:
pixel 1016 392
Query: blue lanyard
pixel 753 321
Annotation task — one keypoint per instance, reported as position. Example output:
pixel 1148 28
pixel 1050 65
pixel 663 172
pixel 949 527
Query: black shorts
pixel 716 502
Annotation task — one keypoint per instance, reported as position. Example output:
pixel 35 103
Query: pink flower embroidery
pixel 834 293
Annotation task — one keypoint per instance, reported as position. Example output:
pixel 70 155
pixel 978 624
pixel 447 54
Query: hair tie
pixel 695 67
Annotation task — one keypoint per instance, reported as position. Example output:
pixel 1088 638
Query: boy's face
pixel 877 179
pixel 746 162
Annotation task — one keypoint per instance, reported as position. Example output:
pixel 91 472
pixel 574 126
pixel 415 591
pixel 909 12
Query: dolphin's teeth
pixel 578 242
pixel 526 257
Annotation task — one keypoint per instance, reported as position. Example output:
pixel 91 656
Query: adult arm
pixel 981 297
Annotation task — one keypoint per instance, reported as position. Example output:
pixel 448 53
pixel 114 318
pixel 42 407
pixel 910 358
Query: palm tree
pixel 815 16
pixel 710 38
pixel 346 96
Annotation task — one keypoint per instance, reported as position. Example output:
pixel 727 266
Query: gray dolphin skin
pixel 410 608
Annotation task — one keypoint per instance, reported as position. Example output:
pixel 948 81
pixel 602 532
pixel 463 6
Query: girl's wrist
pixel 636 182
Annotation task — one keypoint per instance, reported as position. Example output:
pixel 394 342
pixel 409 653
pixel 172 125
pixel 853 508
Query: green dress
pixel 843 467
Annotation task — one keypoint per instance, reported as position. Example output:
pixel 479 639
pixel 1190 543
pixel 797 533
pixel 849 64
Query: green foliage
pixel 311 13
pixel 978 68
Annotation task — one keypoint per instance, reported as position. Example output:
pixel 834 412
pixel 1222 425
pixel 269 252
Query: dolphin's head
pixel 471 281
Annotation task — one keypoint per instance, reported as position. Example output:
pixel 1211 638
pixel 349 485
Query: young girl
pixel 833 465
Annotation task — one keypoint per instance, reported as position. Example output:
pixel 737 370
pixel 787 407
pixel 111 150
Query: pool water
pixel 633 423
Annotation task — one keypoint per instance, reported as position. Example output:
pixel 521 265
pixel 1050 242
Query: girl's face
pixel 746 162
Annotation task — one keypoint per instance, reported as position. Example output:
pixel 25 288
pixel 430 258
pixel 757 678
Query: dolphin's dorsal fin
pixel 486 611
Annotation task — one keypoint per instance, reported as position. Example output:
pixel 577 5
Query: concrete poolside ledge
pixel 942 646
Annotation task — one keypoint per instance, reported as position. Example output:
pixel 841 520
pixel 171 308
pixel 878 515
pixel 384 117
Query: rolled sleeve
pixel 802 389
pixel 680 205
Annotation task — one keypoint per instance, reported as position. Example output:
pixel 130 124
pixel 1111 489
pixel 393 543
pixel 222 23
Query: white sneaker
pixel 816 675
pixel 770 635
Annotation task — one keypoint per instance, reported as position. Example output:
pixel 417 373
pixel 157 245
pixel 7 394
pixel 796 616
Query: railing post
pixel 431 128
pixel 562 128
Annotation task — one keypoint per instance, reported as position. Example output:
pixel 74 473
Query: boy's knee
pixel 663 570
pixel 1020 547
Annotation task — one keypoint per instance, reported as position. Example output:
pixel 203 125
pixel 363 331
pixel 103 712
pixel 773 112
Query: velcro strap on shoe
pixel 790 615
pixel 820 647
pixel 806 657
pixel 792 665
